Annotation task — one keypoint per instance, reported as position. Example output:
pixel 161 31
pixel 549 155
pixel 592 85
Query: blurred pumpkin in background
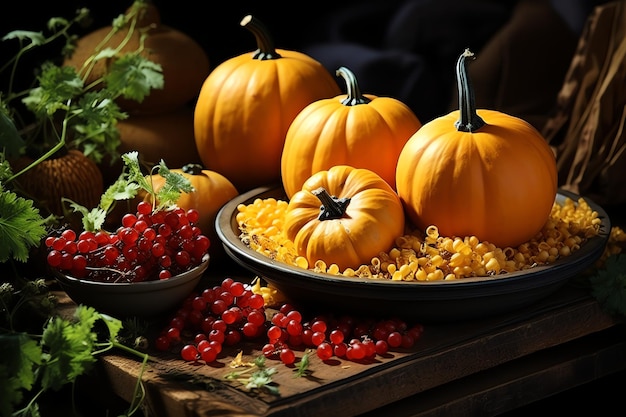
pixel 184 62
pixel 68 174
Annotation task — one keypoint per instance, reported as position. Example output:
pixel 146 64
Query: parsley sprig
pixel 255 375
pixel 128 185
pixel 67 348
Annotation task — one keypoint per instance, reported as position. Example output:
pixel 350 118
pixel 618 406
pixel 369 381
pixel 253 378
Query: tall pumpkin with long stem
pixel 478 173
pixel 246 105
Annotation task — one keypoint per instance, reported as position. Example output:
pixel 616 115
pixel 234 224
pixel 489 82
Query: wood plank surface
pixel 445 356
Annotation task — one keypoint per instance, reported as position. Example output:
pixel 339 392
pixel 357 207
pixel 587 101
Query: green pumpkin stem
pixel 332 207
pixel 469 120
pixel 353 91
pixel 265 43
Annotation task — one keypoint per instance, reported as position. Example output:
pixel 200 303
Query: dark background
pixel 400 48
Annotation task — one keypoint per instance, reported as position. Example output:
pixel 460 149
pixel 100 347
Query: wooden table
pixel 482 367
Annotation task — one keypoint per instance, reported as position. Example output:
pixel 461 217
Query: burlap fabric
pixel 587 132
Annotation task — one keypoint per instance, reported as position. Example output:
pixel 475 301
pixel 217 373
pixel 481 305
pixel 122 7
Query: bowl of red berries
pixel 146 266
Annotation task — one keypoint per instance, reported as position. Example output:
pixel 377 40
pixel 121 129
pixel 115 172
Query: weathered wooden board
pixel 445 353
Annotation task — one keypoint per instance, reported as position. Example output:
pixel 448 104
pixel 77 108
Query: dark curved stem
pixel 354 95
pixel 332 207
pixel 469 120
pixel 265 43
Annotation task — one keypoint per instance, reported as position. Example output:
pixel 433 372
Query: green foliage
pixel 256 377
pixel 608 285
pixel 134 76
pixel 66 113
pixel 128 185
pixel 302 369
pixel 21 226
pixel 89 115
pixel 9 136
pixel 167 195
pixel 59 111
pixel 66 350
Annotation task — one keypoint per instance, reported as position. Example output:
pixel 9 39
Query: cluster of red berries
pixel 149 245
pixel 344 337
pixel 230 312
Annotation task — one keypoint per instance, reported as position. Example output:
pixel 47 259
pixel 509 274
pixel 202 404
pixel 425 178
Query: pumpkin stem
pixel 469 120
pixel 264 41
pixel 332 207
pixel 354 95
pixel 192 169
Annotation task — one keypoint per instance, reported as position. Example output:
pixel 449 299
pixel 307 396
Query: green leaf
pixel 57 87
pixel 70 346
pixel 95 118
pixel 608 285
pixel 92 220
pixel 114 325
pixel 121 189
pixel 6 171
pixel 133 76
pixel 56 23
pixel 21 226
pixel 175 184
pixel 303 366
pixel 10 138
pixel 35 38
pixel 19 357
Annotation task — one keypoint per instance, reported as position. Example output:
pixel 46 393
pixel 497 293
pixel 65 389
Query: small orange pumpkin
pixel 211 191
pixel 344 216
pixel 478 172
pixel 246 105
pixel 363 131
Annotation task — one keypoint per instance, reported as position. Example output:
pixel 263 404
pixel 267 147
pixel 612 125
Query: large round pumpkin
pixel 246 105
pixel 360 130
pixel 184 62
pixel 478 172
pixel 344 216
pixel 211 191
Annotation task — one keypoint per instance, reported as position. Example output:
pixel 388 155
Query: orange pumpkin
pixel 363 131
pixel 344 216
pixel 246 105
pixel 478 172
pixel 184 62
pixel 211 191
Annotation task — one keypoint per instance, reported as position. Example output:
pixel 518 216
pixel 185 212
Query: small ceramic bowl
pixel 141 299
